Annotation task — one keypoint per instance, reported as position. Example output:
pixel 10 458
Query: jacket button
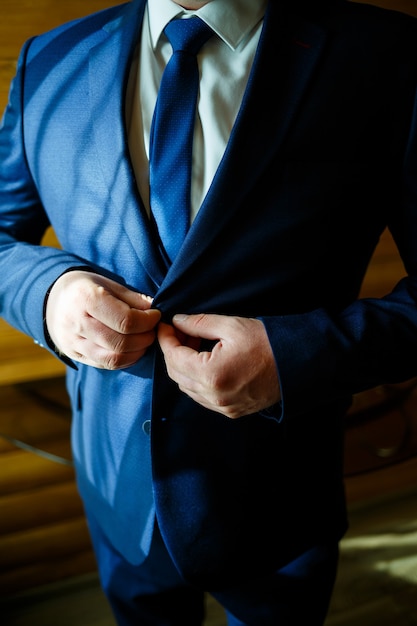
pixel 146 427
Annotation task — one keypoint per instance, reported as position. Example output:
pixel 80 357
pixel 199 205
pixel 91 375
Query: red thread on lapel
pixel 302 43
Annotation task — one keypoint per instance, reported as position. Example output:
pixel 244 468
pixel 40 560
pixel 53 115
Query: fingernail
pixel 180 317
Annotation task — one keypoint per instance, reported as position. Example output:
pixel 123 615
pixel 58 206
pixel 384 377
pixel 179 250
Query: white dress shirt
pixel 225 63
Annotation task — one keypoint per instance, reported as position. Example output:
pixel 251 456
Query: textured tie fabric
pixel 171 139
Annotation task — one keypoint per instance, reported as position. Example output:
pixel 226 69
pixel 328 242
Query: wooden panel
pixel 43 543
pixel 381 428
pixel 405 6
pixel 31 508
pixel 46 570
pixel 21 359
pixel 43 532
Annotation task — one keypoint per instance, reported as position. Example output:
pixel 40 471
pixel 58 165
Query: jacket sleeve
pixel 28 269
pixel 324 355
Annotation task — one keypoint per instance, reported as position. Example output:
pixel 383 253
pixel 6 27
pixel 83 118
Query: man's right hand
pixel 98 322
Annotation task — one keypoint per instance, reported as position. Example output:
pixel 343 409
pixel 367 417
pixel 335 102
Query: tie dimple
pixel 172 133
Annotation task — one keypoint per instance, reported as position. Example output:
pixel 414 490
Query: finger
pixel 134 299
pixel 102 353
pixel 107 361
pixel 206 326
pixel 167 337
pixel 119 315
pixel 114 304
pixel 101 335
pixel 170 337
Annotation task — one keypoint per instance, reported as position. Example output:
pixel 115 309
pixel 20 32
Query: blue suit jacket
pixel 322 158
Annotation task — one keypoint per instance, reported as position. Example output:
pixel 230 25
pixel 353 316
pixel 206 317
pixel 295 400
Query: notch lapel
pixel 284 63
pixel 282 70
pixel 109 67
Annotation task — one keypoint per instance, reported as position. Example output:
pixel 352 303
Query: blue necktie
pixel 171 139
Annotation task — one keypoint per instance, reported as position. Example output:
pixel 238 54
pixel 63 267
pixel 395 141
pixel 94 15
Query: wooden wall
pixel 406 6
pixel 43 534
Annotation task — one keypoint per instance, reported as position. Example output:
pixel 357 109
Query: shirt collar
pixel 232 20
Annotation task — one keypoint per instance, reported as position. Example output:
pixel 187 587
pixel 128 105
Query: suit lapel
pixel 109 69
pixel 284 63
pixel 282 70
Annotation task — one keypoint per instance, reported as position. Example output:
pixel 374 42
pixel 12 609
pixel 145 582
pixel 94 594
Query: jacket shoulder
pixel 80 32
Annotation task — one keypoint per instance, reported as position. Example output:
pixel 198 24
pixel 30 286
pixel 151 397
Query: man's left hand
pixel 238 376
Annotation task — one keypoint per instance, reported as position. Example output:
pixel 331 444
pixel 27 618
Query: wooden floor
pixel 376 585
pixel 43 533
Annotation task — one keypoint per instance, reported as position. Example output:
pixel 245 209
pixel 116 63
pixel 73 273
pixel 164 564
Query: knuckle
pixel 118 344
pixel 125 324
pixel 217 383
pixel 113 361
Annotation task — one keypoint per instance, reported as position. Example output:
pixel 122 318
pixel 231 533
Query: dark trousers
pixel 154 594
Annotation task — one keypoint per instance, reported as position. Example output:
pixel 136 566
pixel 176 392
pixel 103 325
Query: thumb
pixel 202 325
pixel 134 299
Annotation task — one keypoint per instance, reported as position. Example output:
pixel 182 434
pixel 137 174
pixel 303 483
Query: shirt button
pixel 146 427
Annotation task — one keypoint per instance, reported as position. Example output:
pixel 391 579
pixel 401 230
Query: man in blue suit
pixel 209 392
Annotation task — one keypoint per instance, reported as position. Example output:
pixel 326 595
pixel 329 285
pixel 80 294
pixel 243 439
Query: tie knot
pixel 187 35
